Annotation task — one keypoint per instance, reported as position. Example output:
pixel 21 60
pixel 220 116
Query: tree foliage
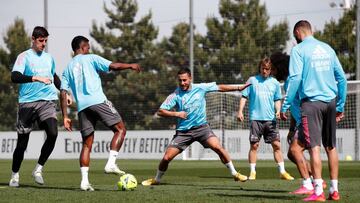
pixel 16 41
pixel 235 43
pixel 136 96
pixel 341 36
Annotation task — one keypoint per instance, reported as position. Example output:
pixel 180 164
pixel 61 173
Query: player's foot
pixel 240 177
pixel 86 187
pixel 252 175
pixel 150 181
pixel 14 181
pixel 334 196
pixel 37 175
pixel 315 198
pixel 286 176
pixel 113 169
pixel 302 191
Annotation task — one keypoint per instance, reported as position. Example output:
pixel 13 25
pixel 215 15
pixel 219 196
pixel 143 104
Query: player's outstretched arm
pixel 64 105
pixel 123 66
pixel 167 113
pixel 227 88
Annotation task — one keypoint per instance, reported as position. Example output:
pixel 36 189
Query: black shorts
pixel 104 112
pixel 268 129
pixel 318 120
pixel 183 139
pixel 29 113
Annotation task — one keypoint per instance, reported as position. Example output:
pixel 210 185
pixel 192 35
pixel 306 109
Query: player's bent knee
pixel 254 146
pixel 167 159
pixel 120 128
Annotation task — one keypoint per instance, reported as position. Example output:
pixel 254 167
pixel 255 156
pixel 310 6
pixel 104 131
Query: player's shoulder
pixel 274 80
pixel 254 77
pixel 326 46
pixel 48 55
pixel 25 53
pixel 173 95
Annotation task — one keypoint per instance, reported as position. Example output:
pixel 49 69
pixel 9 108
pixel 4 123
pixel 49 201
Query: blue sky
pixel 68 18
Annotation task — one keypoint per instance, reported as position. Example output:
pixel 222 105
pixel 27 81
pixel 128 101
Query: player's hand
pixel 68 124
pixel 181 114
pixel 42 79
pixel 241 88
pixel 277 114
pixel 135 67
pixel 283 116
pixel 240 116
pixel 69 99
pixel 290 136
pixel 339 116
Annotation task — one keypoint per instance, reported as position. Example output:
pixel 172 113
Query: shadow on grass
pixel 261 196
pixel 246 189
pixel 44 187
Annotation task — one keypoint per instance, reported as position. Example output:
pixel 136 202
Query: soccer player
pixel 264 95
pixel 190 104
pixel 316 73
pixel 296 150
pixel 34 70
pixel 81 77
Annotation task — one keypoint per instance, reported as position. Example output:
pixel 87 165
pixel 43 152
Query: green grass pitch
pixel 185 181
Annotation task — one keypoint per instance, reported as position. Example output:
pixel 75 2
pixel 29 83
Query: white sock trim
pixel 252 167
pixel 318 186
pixel 38 167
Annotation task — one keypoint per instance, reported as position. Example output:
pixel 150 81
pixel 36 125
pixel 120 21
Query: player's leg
pixel 85 162
pixel 311 120
pixel 296 150
pixel 24 125
pixel 272 136
pixel 329 142
pixel 107 114
pixel 116 143
pixel 252 157
pixel 46 116
pixel 256 131
pixel 50 127
pixel 179 143
pixel 87 123
pixel 18 157
pixel 213 143
pixel 119 136
pixel 280 160
pixel 170 154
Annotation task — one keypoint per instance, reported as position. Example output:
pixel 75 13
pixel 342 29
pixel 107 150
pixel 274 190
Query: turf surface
pixel 185 181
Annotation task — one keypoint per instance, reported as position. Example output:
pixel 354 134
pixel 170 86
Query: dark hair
pixel 302 24
pixel 280 62
pixel 184 70
pixel 39 32
pixel 75 43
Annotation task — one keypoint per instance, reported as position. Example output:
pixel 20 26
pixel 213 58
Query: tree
pixel 16 40
pixel 136 96
pixel 234 44
pixel 341 36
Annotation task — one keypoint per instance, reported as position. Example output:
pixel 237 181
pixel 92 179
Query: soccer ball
pixel 127 182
